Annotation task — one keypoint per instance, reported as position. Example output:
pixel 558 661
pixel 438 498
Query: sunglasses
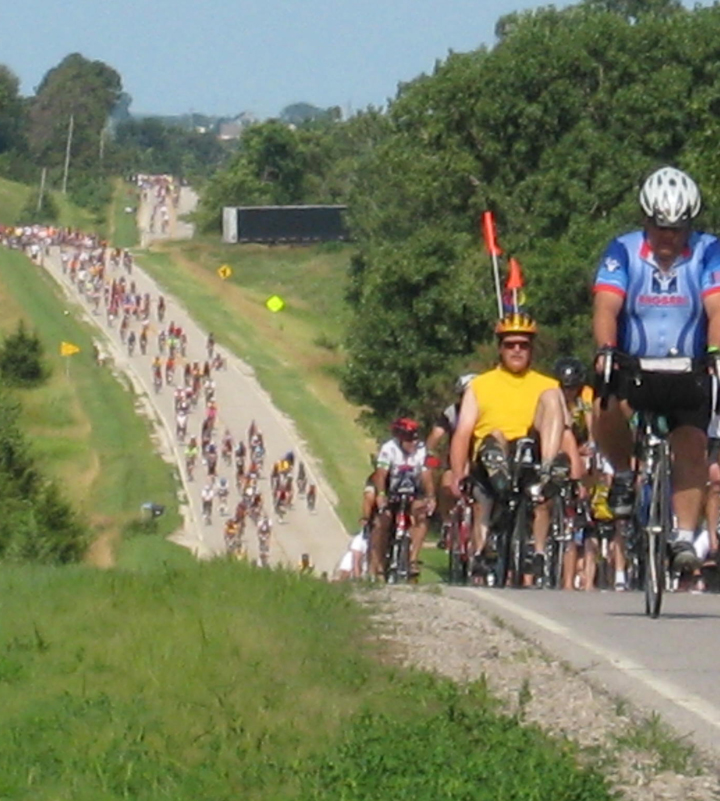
pixel 515 344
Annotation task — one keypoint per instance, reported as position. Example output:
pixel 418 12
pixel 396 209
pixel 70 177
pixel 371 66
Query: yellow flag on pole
pixel 68 349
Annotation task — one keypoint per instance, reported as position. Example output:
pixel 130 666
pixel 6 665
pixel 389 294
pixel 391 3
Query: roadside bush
pixel 37 524
pixel 21 359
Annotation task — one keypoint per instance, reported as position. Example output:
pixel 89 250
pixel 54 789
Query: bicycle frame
pixel 398 563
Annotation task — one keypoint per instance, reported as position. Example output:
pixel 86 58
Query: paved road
pixel 671 665
pixel 240 400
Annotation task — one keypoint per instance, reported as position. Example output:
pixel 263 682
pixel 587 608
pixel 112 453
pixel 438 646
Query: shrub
pixel 21 359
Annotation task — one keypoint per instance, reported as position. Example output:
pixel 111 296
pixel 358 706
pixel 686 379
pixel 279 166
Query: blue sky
pixel 225 56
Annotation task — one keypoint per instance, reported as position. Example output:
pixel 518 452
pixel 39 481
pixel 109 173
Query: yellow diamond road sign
pixel 224 272
pixel 275 303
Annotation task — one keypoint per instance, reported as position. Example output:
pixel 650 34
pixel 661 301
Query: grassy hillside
pixel 220 681
pixel 13 197
pixel 296 352
pixel 84 425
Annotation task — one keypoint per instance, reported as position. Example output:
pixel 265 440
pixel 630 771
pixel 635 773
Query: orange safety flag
pixel 515 276
pixel 489 234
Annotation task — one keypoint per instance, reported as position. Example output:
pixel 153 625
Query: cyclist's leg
pixel 689 474
pixel 378 544
pixel 712 505
pixel 418 530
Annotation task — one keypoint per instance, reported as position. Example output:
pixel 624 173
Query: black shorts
pixel 683 398
pixel 713 449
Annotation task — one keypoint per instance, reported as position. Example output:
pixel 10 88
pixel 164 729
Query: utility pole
pixel 42 189
pixel 67 153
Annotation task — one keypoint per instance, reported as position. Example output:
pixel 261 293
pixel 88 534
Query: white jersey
pixel 207 494
pixel 358 544
pixel 402 466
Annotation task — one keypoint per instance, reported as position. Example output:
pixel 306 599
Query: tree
pixel 554 129
pixel 21 359
pixel 12 113
pixel 87 90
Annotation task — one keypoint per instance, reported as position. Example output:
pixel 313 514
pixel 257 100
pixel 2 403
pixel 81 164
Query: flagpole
pixel 498 291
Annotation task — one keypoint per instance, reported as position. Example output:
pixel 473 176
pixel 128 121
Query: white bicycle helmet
pixel 463 382
pixel 670 197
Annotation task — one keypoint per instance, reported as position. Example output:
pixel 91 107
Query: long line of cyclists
pixel 104 278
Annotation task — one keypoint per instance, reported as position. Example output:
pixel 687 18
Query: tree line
pixel 553 128
pixel 106 140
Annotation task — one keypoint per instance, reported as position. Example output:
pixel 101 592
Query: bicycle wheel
pixel 555 548
pixel 501 530
pixel 454 552
pixel 518 543
pixel 657 532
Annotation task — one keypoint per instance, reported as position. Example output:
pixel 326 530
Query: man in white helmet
pixel 657 294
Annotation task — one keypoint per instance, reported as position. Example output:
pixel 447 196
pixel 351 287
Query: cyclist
pixel 191 454
pixel 445 427
pixel 578 397
pixel 657 294
pixel 207 496
pixel 223 492
pixel 403 454
pixel 498 407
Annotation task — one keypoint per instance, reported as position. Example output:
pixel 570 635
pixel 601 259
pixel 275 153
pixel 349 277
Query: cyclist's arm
pixel 607 307
pixel 460 442
pixel 432 442
pixel 712 309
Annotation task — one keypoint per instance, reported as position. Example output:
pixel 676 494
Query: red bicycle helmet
pixel 405 428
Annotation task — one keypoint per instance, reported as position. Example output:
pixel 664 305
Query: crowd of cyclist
pixel 233 467
pixel 564 444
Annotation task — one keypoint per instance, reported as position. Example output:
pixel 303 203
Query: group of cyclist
pixel 92 268
pixel 656 326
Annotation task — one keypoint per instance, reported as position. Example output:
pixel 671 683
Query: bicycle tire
pixel 453 550
pixel 518 543
pixel 657 532
pixel 556 543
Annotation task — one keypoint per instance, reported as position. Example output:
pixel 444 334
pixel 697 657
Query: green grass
pixel 283 348
pixel 220 681
pixel 84 427
pixel 124 232
pixel 13 196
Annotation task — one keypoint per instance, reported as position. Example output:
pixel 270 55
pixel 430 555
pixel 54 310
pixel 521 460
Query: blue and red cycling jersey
pixel 663 310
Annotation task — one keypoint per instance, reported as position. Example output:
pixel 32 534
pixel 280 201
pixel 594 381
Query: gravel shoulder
pixel 452 637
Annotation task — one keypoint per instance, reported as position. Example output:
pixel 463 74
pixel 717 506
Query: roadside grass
pixel 13 196
pixel 123 226
pixel 83 424
pixel 219 680
pixel 296 353
pixel 654 736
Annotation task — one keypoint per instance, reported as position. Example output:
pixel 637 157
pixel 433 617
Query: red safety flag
pixel 515 276
pixel 489 234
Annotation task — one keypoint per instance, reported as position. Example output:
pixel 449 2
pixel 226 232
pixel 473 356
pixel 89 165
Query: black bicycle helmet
pixel 569 371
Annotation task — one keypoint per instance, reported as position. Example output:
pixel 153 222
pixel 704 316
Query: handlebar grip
pixel 606 376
